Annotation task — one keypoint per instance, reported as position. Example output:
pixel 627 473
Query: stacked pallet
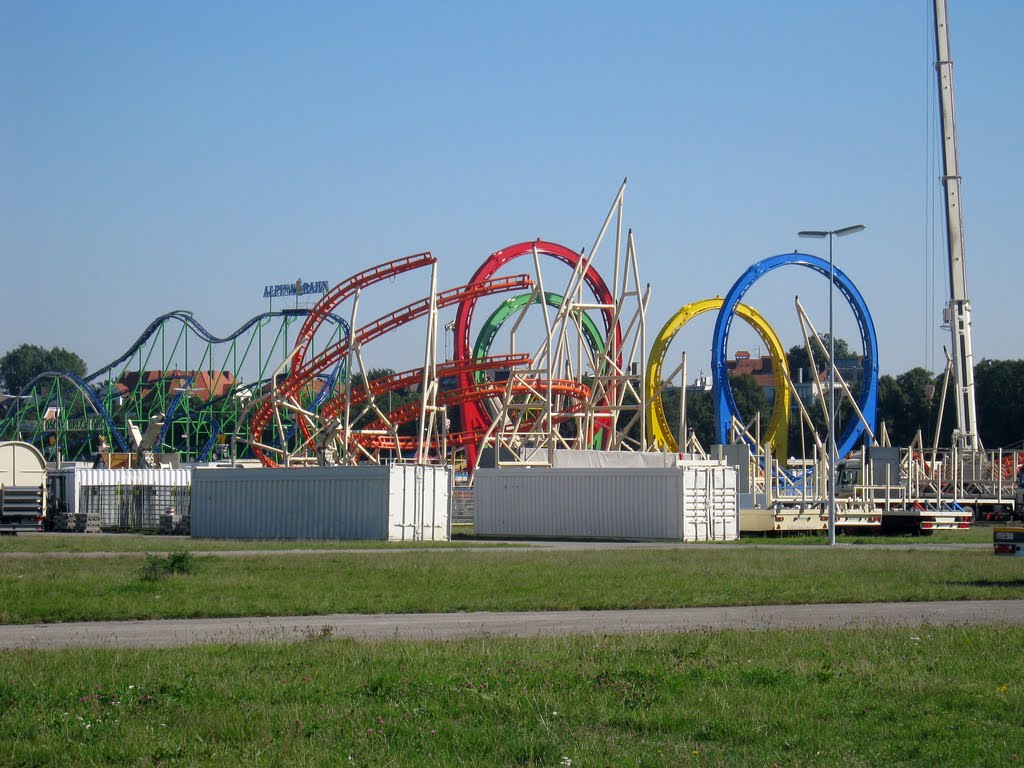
pixel 87 522
pixel 63 521
pixel 174 524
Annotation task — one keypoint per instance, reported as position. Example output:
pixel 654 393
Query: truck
pixel 908 494
pixel 22 488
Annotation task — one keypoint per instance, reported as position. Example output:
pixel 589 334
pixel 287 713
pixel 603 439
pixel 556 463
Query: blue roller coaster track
pixel 725 404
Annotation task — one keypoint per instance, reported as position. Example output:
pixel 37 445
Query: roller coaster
pixel 589 382
pixel 307 397
pixel 579 388
pixel 177 382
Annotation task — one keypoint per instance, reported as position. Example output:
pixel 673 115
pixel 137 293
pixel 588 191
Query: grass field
pixel 978 534
pixel 463 536
pixel 925 697
pixel 904 697
pixel 141 543
pixel 82 589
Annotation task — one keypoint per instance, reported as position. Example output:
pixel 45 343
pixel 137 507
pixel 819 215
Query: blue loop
pixel 725 404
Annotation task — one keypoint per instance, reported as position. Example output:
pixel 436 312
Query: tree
pixel 908 403
pixel 798 359
pixel 999 386
pixel 750 400
pixel 23 363
pixel 700 416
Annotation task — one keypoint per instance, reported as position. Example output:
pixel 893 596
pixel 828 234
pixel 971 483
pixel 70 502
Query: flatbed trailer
pixel 782 519
pixel 915 492
pixel 812 518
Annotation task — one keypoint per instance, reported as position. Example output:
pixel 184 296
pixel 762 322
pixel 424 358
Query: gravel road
pixel 164 633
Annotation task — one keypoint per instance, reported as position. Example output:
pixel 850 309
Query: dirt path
pixel 451 626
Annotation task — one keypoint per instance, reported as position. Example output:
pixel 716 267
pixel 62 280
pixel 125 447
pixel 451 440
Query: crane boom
pixel 958 311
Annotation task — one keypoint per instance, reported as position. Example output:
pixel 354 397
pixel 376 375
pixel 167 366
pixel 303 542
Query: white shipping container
pixel 710 502
pixel 587 459
pixel 402 502
pixel 694 502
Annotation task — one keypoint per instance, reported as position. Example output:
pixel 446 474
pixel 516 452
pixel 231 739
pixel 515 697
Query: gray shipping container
pixel 403 502
pixel 693 502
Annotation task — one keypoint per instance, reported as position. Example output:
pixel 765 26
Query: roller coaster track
pixel 187 319
pixel 402 380
pixel 182 391
pixel 660 433
pixel 302 370
pixel 457 397
pixel 333 408
pixel 507 308
pixel 87 385
pixel 344 290
pixel 474 413
pixel 476 392
pixel 86 391
pixel 867 401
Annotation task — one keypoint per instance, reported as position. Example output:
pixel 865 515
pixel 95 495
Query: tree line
pixel 23 363
pixel 907 402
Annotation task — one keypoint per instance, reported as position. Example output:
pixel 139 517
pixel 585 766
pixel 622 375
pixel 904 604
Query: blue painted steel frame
pixel 87 391
pixel 725 404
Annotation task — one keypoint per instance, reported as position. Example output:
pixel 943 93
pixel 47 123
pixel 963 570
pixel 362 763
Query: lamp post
pixel 833 460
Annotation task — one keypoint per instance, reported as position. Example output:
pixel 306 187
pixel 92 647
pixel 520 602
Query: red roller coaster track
pixel 344 290
pixel 303 371
pixel 333 407
pixel 474 393
pixel 474 414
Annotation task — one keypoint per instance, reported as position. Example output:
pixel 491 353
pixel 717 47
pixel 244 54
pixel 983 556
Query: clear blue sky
pixel 156 156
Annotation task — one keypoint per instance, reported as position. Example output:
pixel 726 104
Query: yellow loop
pixel 660 433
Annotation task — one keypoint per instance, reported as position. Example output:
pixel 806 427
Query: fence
pixel 134 507
pixel 462 507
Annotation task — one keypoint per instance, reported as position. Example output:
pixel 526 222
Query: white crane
pixel 958 311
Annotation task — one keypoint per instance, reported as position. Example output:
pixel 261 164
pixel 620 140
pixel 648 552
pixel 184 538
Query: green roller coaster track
pixel 507 308
pixel 187 377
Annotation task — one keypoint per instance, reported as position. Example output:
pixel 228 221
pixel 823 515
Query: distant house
pixel 201 385
pixel 762 369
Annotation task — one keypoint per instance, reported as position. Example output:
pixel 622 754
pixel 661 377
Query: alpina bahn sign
pixel 298 288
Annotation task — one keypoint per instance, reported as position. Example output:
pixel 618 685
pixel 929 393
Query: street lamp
pixel 833 460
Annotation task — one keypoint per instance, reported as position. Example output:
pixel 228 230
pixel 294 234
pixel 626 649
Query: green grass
pixel 462 535
pixel 141 543
pixel 979 534
pixel 900 697
pixel 82 589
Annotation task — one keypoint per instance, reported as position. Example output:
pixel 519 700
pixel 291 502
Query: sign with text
pixel 298 288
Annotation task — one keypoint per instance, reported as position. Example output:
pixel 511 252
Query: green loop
pixel 509 307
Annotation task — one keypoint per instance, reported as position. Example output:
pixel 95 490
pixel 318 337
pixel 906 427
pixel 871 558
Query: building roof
pixel 203 385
